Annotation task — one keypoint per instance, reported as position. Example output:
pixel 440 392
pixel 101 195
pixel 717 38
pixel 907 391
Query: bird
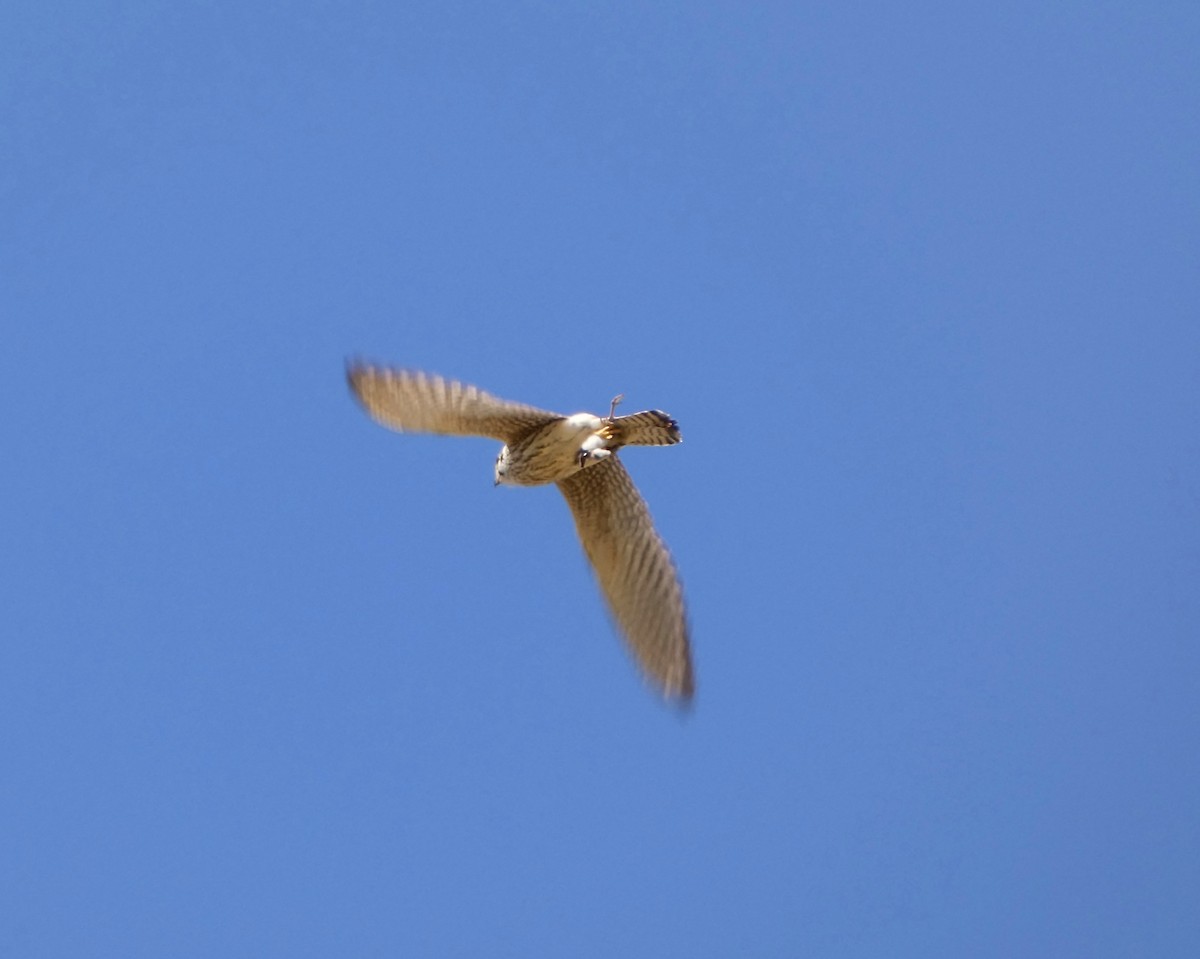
pixel 579 454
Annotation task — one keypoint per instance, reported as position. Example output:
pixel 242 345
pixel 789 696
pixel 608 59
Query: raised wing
pixel 635 571
pixel 415 402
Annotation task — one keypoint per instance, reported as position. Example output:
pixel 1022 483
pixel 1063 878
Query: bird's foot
pixel 587 456
pixel 612 410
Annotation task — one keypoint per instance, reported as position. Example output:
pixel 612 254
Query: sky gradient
pixel 920 284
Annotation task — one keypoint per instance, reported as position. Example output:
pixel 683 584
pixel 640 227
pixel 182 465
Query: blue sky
pixel 919 282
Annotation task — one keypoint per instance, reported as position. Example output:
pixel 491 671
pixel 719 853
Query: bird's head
pixel 501 465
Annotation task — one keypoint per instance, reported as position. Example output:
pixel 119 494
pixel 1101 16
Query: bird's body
pixel 551 453
pixel 578 453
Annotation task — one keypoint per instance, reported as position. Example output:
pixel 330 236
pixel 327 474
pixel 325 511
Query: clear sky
pixel 921 284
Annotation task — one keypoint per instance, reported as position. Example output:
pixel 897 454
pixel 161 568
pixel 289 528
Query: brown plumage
pixel 579 454
pixel 635 571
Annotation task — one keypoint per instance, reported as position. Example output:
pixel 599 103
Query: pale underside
pixel 630 560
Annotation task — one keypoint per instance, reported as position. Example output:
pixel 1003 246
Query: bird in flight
pixel 578 453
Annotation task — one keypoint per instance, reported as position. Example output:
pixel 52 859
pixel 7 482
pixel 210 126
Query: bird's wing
pixel 647 428
pixel 414 402
pixel 635 571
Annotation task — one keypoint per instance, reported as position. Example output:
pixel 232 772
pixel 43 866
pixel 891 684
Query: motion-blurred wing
pixel 415 402
pixel 635 571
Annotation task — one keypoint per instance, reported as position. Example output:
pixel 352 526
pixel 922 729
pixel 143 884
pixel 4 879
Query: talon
pixel 612 410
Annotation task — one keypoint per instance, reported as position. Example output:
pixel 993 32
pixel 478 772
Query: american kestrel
pixel 579 454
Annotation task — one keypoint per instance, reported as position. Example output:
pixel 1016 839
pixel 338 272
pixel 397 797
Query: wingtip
pixel 682 703
pixel 355 368
pixel 681 692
